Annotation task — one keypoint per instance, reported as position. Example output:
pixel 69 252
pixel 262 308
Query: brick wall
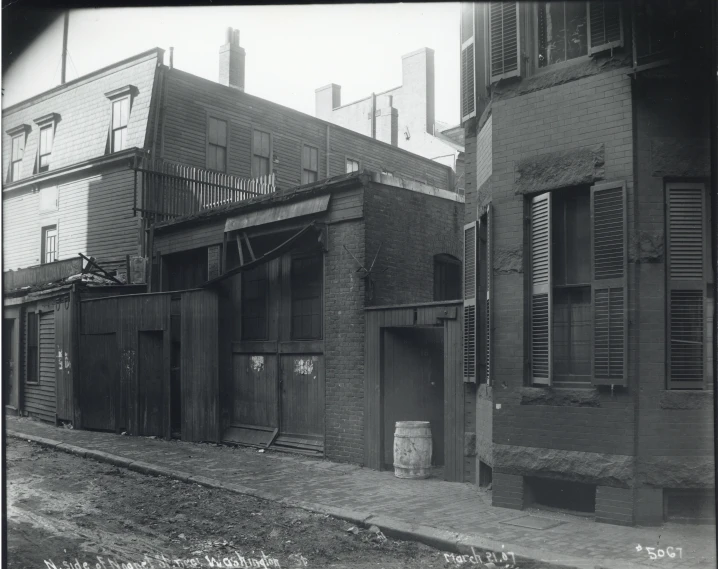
pixel 411 228
pixel 344 344
pixel 675 429
pixel 588 111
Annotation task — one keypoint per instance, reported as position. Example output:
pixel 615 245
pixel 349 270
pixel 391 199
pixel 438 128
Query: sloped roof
pixel 83 114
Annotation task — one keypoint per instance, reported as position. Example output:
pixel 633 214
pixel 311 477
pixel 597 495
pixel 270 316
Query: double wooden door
pixel 279 382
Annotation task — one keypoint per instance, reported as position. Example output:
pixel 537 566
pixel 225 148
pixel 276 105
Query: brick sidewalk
pixel 453 507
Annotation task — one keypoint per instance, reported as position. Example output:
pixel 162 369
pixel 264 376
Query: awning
pixel 268 256
pixel 278 213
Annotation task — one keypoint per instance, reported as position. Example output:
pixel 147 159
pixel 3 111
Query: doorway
pixel 413 385
pixel 8 360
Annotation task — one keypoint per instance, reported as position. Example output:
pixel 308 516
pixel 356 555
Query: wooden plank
pixel 64 369
pixel 302 396
pixel 150 367
pixel 199 361
pixel 99 380
pixel 255 395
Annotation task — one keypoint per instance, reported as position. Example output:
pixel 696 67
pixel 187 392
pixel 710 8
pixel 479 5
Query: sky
pixel 291 50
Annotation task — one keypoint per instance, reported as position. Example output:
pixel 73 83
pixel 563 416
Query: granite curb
pixel 446 541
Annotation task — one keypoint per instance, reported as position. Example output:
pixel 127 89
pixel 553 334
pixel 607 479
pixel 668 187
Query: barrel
pixel 412 449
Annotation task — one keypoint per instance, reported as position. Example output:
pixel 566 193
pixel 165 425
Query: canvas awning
pixel 282 212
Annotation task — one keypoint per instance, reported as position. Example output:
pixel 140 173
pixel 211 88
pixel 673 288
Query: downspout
pixel 633 320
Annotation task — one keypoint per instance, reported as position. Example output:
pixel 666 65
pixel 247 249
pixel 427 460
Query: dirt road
pixel 66 512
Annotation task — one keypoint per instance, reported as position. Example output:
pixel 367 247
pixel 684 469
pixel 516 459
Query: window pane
pixel 222 133
pixel 260 166
pixel 212 157
pixel 124 111
pixel 576 30
pixel 44 162
pixel 467 25
pixel 306 283
pixel 308 176
pixel 118 140
pixel 213 131
pixel 314 163
pixel 116 115
pixel 16 171
pixel 305 157
pixel 46 140
pixel 254 304
pixel 17 147
pixel 221 159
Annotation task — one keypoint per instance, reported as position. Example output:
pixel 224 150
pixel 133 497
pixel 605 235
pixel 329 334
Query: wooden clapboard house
pixel 94 165
pixel 589 310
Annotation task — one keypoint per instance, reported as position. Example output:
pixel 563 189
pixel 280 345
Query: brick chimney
pixel 231 61
pixel 326 99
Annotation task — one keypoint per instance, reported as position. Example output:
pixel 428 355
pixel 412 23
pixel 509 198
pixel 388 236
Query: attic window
pixel 121 104
pixel 47 124
pixel 18 135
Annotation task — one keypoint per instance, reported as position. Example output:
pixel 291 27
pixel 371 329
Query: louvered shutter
pixel 470 293
pixel 489 281
pixel 468 65
pixel 605 25
pixel 686 285
pixel 504 40
pixel 608 283
pixel 541 290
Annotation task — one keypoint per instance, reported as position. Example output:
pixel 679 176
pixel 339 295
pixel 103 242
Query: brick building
pixel 588 300
pixel 294 272
pixel 403 116
pixel 89 165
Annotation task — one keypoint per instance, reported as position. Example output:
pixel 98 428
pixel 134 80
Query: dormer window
pixel 120 116
pixel 17 135
pixel 121 100
pixel 47 138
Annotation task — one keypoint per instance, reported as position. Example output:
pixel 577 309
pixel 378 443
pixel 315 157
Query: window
pixel 49 244
pixel 120 117
pixel 577 280
pixel 306 284
pixel 310 164
pixel 32 348
pixel 254 303
pixel 447 277
pixel 352 165
pixel 46 140
pixel 562 32
pixel 48 198
pixel 217 145
pixel 689 297
pixel 18 149
pixel 468 71
pixel 261 151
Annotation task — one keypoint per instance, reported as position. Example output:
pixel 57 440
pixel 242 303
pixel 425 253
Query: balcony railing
pixel 170 190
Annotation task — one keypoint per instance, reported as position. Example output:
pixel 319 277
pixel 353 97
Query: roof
pixel 336 183
pixel 83 113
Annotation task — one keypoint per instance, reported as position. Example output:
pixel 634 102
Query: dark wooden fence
pixel 171 190
pixel 41 274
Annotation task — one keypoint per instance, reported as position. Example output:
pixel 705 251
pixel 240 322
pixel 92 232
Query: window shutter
pixel 608 280
pixel 605 25
pixel 489 282
pixel 470 257
pixel 468 69
pixel 541 290
pixel 504 40
pixel 686 284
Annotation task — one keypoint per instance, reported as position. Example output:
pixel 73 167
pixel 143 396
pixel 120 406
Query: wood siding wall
pixel 191 100
pixel 94 216
pixel 39 398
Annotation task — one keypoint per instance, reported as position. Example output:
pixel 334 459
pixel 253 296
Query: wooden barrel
pixel 412 449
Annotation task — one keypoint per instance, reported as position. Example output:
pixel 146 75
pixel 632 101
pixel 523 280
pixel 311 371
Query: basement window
pixel 562 495
pixel 689 505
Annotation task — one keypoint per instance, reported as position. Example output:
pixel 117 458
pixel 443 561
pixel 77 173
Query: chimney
pixel 418 89
pixel 387 121
pixel 231 61
pixel 326 99
pixel 172 58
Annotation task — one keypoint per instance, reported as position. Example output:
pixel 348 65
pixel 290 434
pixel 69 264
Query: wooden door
pixel 63 353
pixel 151 397
pixel 99 380
pixel 255 400
pixel 301 422
pixel 413 385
